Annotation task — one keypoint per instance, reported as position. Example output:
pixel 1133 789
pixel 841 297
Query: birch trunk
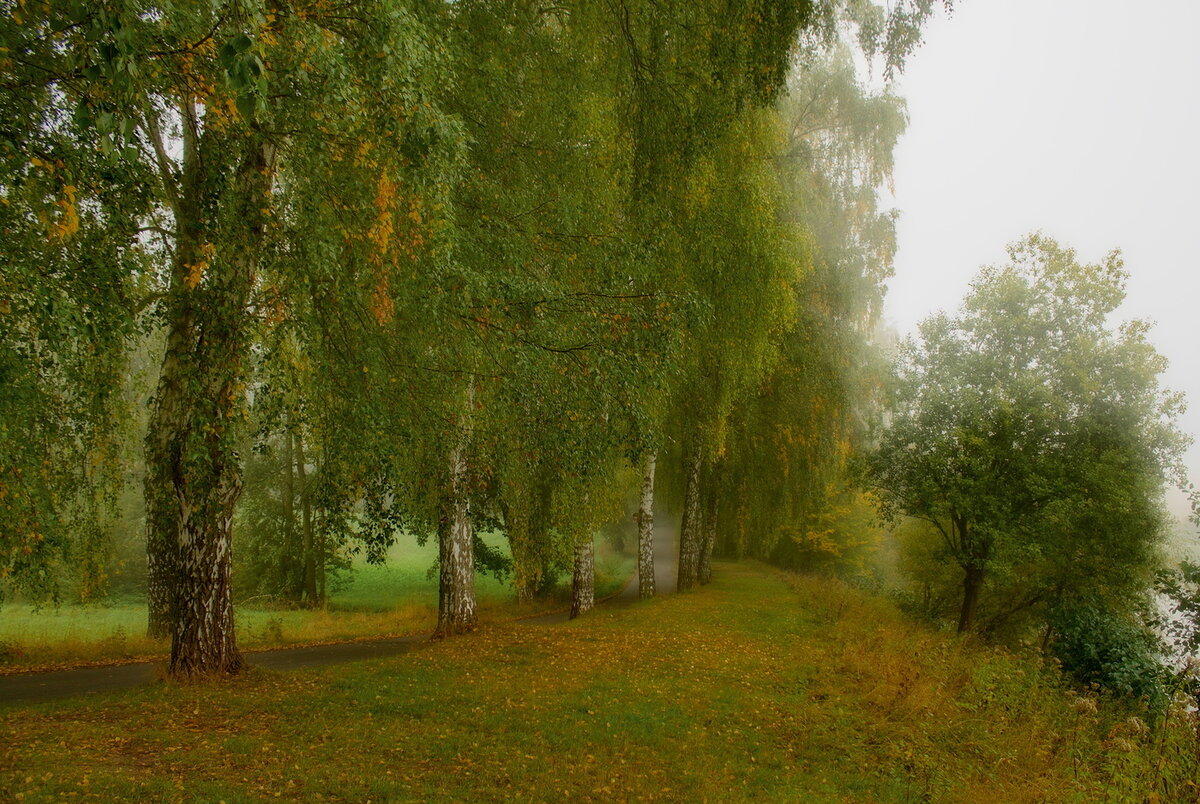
pixel 689 529
pixel 207 490
pixel 287 562
pixel 311 594
pixel 204 642
pixel 162 509
pixel 456 577
pixel 709 538
pixel 167 427
pixel 207 471
pixel 583 582
pixel 645 523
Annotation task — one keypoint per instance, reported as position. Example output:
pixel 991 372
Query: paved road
pixel 55 684
pixel 33 687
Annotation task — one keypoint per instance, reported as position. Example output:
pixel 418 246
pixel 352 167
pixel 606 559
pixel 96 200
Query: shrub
pixel 1098 646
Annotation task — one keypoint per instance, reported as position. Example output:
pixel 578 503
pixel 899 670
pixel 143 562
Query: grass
pixel 762 686
pixel 398 597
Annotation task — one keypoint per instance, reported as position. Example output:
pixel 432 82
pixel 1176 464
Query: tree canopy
pixel 1032 433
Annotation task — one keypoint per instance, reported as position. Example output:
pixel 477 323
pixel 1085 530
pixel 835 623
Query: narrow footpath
pixel 35 687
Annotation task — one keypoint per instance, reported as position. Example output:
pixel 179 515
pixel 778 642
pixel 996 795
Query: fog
pixel 1074 117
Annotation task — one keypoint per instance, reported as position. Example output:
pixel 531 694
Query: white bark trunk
pixel 689 531
pixel 456 579
pixel 583 583
pixel 645 522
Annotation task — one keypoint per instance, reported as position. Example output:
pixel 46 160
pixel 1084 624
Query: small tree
pixel 1032 434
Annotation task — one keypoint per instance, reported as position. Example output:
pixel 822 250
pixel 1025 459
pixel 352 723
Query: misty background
pixel 1077 118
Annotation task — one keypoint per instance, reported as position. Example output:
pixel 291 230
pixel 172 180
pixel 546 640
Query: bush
pixel 1097 646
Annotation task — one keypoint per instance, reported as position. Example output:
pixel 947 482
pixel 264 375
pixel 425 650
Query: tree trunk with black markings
pixel 456 557
pixel 690 528
pixel 645 523
pixel 583 581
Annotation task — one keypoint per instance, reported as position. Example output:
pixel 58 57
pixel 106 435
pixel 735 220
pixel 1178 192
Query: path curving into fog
pixel 666 563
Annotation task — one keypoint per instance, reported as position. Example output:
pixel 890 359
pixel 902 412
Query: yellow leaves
pixel 844 449
pixel 382 306
pixel 65 223
pixel 196 81
pixel 275 314
pixel 68 221
pixel 381 232
pixel 194 272
pixel 380 235
pixel 221 112
pixel 360 158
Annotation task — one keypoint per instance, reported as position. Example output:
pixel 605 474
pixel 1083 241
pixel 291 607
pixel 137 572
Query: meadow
pixel 398 597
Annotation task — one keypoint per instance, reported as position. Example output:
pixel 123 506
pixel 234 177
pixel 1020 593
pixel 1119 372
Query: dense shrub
pixel 1098 646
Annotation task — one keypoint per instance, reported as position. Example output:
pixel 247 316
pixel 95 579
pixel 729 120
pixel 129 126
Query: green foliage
pixel 546 239
pixel 1115 653
pixel 1034 437
pixel 69 287
pixel 572 342
pixel 930 582
pixel 842 539
pixel 272 553
pixel 796 431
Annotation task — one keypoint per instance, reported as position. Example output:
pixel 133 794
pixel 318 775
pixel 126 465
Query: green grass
pixel 405 578
pixel 397 597
pixel 759 687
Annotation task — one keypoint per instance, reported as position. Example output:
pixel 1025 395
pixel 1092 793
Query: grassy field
pixel 759 687
pixel 398 597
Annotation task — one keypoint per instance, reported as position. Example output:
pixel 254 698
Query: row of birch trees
pixel 428 267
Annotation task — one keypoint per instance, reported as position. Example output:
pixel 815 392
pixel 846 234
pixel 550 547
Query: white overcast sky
pixel 1078 118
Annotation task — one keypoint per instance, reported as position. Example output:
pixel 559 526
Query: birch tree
pixel 214 100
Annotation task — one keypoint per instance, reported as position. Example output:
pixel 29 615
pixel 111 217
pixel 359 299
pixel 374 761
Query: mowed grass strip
pixel 761 686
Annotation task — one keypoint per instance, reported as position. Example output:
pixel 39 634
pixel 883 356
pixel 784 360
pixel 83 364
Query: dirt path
pixel 665 564
pixel 55 684
pixel 666 555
